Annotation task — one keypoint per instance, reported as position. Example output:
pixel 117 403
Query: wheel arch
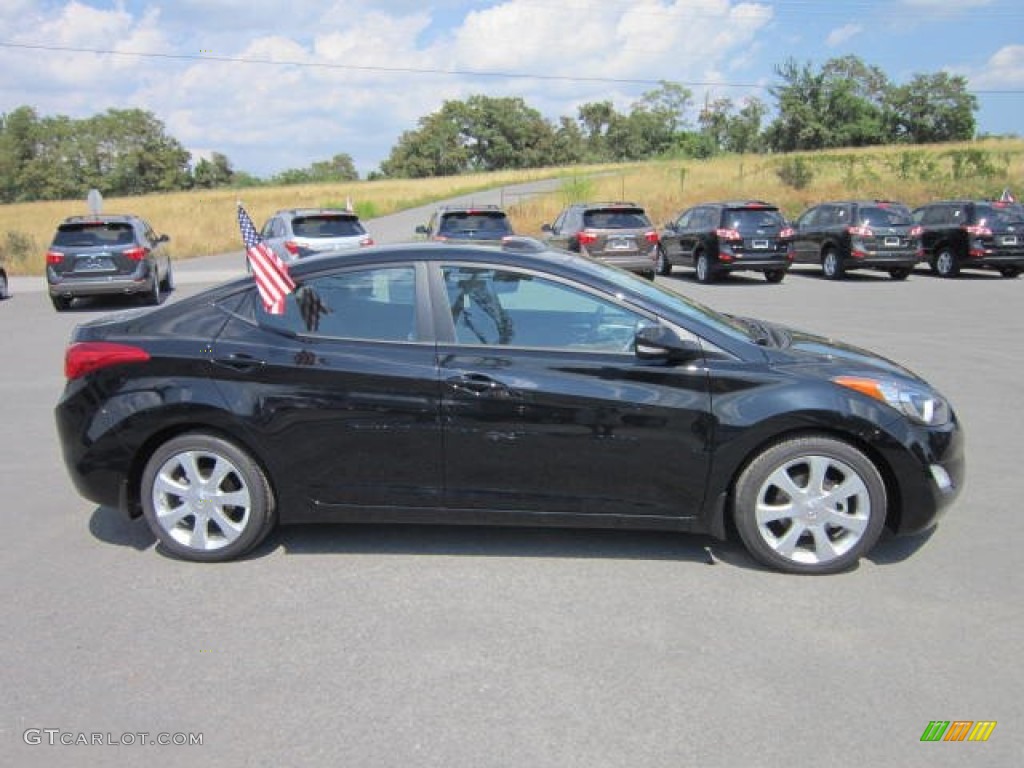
pixel 722 500
pixel 132 501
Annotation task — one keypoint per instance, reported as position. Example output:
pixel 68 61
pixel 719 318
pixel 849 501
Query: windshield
pixel 616 218
pixel 493 224
pixel 885 217
pixel 997 215
pixel 94 233
pixel 327 226
pixel 750 219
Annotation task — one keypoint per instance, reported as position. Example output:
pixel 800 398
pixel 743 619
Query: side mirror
pixel 659 343
pixel 546 228
pixel 421 229
pixel 164 239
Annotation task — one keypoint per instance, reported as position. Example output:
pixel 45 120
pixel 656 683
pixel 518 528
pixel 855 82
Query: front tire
pixel 5 288
pixel 206 499
pixel 154 296
pixel 810 505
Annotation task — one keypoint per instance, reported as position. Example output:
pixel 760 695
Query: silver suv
pixel 104 255
pixel 299 232
pixel 616 233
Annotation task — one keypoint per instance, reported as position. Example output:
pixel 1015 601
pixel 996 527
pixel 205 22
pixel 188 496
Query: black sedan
pixel 513 385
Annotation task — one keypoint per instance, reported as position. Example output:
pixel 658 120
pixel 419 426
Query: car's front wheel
pixel 5 291
pixel 206 499
pixel 810 505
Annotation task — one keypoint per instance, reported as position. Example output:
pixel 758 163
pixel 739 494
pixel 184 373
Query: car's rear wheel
pixel 1010 272
pixel 169 279
pixel 61 303
pixel 5 289
pixel 664 266
pixel 705 274
pixel 206 499
pixel 832 264
pixel 899 273
pixel 774 275
pixel 810 505
pixel 946 264
pixel 154 295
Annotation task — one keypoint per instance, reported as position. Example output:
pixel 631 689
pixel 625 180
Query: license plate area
pixel 892 242
pixel 1009 240
pixel 95 264
pixel 620 243
pixel 760 245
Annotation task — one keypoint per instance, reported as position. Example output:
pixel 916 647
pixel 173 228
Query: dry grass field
pixel 203 221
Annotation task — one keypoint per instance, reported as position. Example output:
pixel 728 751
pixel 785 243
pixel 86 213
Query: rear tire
pixel 61 303
pixel 899 273
pixel 705 274
pixel 832 265
pixel 1009 272
pixel 5 287
pixel 946 263
pixel 154 296
pixel 664 266
pixel 169 279
pixel 810 505
pixel 774 275
pixel 206 499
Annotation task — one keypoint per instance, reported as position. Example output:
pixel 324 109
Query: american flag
pixel 1007 196
pixel 272 278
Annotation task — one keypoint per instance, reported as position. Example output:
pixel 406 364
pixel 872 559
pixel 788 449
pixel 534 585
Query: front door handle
pixel 240 362
pixel 480 384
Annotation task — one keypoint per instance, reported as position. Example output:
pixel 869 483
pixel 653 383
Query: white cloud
pixel 839 36
pixel 1004 69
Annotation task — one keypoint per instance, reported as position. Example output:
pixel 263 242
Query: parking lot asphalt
pixel 434 646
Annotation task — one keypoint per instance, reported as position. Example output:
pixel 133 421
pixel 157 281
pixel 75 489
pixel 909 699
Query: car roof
pixel 315 212
pixel 102 218
pixel 608 204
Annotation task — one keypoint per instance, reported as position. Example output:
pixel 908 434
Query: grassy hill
pixel 203 221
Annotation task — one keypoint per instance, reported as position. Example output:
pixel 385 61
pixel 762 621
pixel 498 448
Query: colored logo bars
pixel 958 730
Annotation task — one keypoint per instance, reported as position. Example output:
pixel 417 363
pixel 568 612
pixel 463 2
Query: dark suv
pixel 298 232
pixel 616 233
pixel 479 224
pixel 100 254
pixel 716 238
pixel 972 234
pixel 844 235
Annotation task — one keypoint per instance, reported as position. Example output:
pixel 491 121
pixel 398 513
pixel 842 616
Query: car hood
pixel 790 346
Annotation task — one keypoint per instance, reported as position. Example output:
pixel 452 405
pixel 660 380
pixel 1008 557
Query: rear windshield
pixel 83 234
pixel 327 226
pixel 745 219
pixel 616 218
pixel 885 217
pixel 475 222
pixel 989 215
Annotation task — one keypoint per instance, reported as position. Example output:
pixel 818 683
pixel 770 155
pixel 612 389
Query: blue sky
pixel 352 75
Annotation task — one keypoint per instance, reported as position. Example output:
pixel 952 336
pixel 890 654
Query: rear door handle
pixel 481 385
pixel 240 362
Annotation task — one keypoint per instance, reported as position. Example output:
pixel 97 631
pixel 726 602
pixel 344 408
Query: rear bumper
pixel 882 260
pixel 633 262
pixel 69 287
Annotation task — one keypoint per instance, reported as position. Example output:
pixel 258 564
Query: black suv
pixel 844 235
pixel 716 238
pixel 103 255
pixel 616 233
pixel 479 224
pixel 972 234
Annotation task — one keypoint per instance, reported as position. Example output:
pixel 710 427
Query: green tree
pixel 215 172
pixel 931 108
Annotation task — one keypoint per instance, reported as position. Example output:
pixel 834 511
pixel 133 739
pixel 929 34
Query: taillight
pixel 787 232
pixel 978 231
pixel 587 238
pixel 728 234
pixel 87 356
pixel 651 237
pixel 54 257
pixel 366 241
pixel 861 231
pixel 136 254
pixel 916 231
pixel 292 247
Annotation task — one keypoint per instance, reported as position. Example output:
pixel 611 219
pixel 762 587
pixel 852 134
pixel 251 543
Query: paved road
pixel 416 646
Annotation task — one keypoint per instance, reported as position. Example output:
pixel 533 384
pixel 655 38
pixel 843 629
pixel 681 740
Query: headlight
pixel 917 403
